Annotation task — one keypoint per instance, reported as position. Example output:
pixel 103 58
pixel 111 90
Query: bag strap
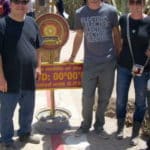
pixel 129 40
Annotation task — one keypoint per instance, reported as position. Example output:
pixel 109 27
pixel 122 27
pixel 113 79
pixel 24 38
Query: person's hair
pixel 136 1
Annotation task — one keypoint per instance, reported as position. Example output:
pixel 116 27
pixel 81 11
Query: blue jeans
pixel 100 77
pixel 8 102
pixel 148 97
pixel 124 78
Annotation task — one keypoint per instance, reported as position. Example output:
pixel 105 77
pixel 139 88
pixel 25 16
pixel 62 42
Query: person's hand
pixel 148 53
pixel 3 84
pixel 37 73
pixel 70 60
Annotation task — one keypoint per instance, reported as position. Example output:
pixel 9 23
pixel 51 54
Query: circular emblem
pixel 54 30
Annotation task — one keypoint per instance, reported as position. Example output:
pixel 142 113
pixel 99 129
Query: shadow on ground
pixel 91 141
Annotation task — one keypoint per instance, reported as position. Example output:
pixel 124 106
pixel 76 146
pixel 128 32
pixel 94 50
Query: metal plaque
pixel 54 30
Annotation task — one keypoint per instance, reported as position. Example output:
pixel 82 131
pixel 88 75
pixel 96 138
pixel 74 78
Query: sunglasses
pixel 137 2
pixel 23 2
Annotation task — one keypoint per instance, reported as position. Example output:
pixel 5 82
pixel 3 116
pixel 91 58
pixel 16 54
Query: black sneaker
pixel 29 139
pixel 101 133
pixel 80 131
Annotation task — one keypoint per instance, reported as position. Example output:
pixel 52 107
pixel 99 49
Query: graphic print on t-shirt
pixel 96 28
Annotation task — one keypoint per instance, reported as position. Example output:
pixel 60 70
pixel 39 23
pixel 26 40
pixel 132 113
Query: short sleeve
pixel 78 24
pixel 114 17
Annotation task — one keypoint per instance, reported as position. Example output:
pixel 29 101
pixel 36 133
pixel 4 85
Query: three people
pixel 19 69
pixel 132 63
pixel 98 23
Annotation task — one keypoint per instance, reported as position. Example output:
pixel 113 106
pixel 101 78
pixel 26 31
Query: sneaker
pixel 80 131
pixel 134 141
pixel 102 133
pixel 8 146
pixel 119 135
pixel 29 139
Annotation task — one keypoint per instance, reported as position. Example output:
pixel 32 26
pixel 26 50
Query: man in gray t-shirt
pixel 98 23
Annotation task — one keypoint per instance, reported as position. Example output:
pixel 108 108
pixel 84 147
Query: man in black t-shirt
pixel 19 68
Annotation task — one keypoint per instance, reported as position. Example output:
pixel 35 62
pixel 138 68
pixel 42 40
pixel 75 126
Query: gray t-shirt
pixel 97 26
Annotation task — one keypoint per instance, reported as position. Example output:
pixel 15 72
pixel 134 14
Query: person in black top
pixel 60 7
pixel 84 2
pixel 19 68
pixel 132 62
pixel 4 8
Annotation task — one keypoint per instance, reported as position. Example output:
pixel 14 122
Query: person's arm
pixel 117 39
pixel 3 82
pixel 76 44
pixel 38 68
pixel 148 51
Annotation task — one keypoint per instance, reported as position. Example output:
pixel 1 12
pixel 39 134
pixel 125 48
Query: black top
pixel 140 37
pixel 18 44
pixel 60 7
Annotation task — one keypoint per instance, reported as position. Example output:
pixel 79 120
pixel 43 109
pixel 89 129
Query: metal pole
pixel 51 5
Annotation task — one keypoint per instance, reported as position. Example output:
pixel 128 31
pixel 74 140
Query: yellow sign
pixel 60 76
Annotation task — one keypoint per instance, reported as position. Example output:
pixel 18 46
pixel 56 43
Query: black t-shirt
pixel 140 37
pixel 18 44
